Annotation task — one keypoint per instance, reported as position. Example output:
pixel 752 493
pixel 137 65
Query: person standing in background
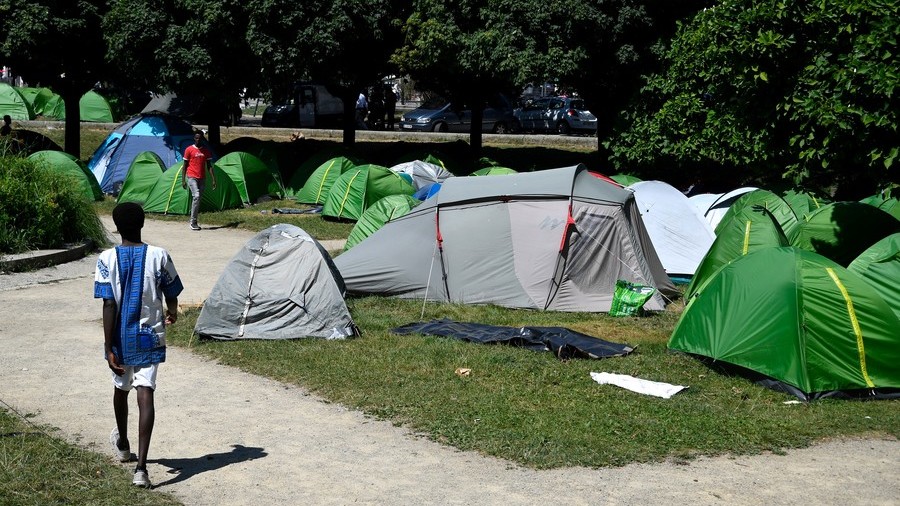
pixel 197 162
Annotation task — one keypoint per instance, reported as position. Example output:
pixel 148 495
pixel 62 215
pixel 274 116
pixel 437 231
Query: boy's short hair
pixel 128 217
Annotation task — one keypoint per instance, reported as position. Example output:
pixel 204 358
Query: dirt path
pixel 226 437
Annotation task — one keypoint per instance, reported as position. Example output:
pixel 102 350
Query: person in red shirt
pixel 197 162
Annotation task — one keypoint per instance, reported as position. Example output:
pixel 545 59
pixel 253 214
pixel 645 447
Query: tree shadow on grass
pixel 184 469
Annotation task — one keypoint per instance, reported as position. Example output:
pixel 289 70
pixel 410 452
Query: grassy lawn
pixel 527 406
pixel 37 468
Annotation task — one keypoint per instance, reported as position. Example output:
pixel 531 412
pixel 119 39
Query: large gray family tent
pixel 280 285
pixel 550 240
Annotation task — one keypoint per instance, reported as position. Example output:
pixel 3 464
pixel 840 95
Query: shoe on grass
pixel 141 479
pixel 122 455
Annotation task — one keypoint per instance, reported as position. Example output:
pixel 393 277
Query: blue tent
pixel 165 135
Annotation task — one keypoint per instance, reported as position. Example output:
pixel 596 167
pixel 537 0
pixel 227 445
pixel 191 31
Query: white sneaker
pixel 194 226
pixel 141 479
pixel 122 455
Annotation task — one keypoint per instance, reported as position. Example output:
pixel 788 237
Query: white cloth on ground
pixel 641 386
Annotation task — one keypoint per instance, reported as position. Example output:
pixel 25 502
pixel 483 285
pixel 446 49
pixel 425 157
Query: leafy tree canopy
pixel 757 91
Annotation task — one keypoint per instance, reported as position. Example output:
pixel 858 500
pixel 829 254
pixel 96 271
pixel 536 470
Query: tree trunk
pixel 349 118
pixel 71 99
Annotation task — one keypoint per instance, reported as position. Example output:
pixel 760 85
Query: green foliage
pixel 38 469
pixel 759 90
pixel 41 209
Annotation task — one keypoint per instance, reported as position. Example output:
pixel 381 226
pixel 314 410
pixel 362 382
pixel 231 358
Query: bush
pixel 40 209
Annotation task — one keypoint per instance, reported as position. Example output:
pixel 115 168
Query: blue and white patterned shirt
pixel 138 278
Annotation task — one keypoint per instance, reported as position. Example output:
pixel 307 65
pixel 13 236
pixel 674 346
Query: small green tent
pixel 885 202
pixel 54 108
pixel 93 107
pixel 142 174
pixel 169 197
pixel 360 187
pixel 15 105
pixel 843 230
pixel 38 98
pixel 804 203
pixel 300 175
pixel 879 265
pixel 748 230
pixel 317 185
pixel 807 326
pixel 64 163
pixel 776 205
pixel 379 213
pixel 252 177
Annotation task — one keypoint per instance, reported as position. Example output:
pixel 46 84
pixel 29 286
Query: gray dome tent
pixel 281 285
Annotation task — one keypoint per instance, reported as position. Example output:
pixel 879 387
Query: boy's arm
pixel 184 173
pixel 171 310
pixel 109 328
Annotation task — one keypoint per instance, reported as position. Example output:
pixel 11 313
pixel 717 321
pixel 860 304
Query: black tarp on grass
pixel 563 342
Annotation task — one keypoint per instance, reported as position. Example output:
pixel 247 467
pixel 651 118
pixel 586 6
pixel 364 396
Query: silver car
pixel 563 115
pixel 438 115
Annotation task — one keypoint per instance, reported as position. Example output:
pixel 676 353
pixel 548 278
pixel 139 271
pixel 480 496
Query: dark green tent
pixel 142 174
pixel 64 163
pixel 168 196
pixel 252 177
pixel 879 265
pixel 843 230
pixel 15 105
pixel 797 322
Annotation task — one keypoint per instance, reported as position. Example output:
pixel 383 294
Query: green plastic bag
pixel 629 298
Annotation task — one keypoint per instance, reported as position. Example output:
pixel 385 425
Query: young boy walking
pixel 139 287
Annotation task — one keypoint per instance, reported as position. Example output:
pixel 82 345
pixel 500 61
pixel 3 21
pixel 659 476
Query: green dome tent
pixel 804 203
pixel 808 327
pixel 768 200
pixel 885 202
pixel 252 177
pixel 379 213
pixel 750 229
pixel 142 174
pixel 316 187
pixel 15 105
pixel 307 170
pixel 880 267
pixel 95 108
pixel 361 187
pixel 841 231
pixel 64 163
pixel 267 151
pixel 38 98
pixel 168 196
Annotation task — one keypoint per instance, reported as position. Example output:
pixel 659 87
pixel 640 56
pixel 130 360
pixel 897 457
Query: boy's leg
pixel 145 423
pixel 120 406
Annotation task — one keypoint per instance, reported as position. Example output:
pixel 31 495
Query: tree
pixel 343 44
pixel 465 51
pixel 763 91
pixel 58 45
pixel 190 47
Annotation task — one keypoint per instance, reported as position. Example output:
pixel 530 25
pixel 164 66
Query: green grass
pixel 38 468
pixel 533 409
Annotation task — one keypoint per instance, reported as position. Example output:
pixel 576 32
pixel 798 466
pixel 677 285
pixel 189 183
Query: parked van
pixel 310 106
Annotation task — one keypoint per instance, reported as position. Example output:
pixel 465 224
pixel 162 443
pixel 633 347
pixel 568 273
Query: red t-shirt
pixel 196 159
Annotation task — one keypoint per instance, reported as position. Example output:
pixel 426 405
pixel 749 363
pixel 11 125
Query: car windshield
pixel 433 103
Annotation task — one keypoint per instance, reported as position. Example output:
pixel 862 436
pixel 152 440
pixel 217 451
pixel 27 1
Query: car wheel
pixel 441 127
pixel 563 128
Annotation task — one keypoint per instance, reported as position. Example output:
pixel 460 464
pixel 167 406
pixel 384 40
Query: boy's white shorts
pixel 136 376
